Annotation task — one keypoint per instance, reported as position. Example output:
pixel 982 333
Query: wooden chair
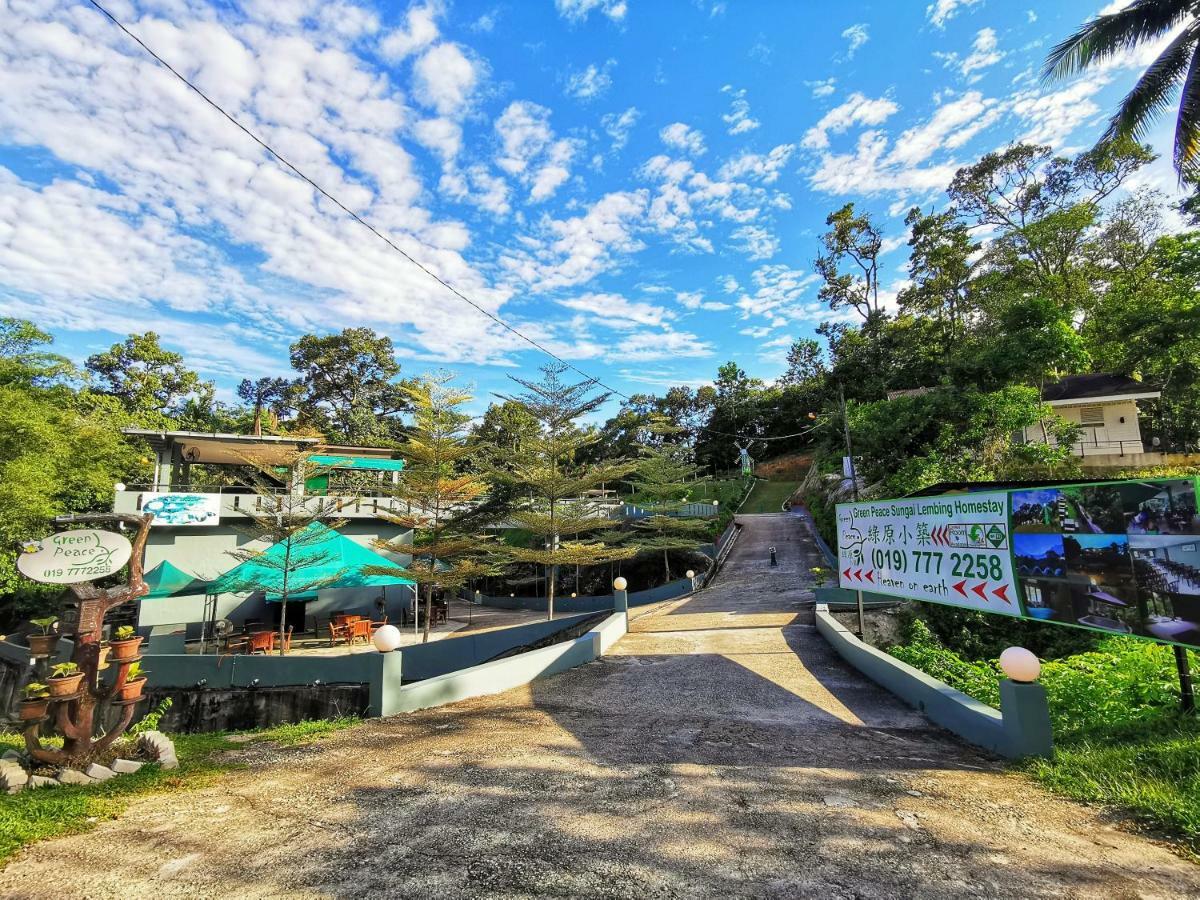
pixel 260 640
pixel 360 628
pixel 375 626
pixel 338 633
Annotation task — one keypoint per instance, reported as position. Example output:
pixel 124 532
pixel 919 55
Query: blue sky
pixel 638 185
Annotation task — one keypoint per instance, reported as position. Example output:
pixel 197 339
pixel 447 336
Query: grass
pixel 768 496
pixel 35 815
pixel 1120 739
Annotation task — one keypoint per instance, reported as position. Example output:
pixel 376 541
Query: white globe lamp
pixel 1020 664
pixel 386 638
pixel 119 486
pixel 691 573
pixel 620 584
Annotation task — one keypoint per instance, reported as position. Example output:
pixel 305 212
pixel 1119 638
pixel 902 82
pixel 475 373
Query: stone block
pixel 13 777
pixel 169 761
pixel 156 744
pixel 98 772
pixel 126 766
pixel 40 781
pixel 73 776
pixel 10 755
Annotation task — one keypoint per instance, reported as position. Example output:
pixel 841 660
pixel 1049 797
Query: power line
pixel 375 231
pixel 340 205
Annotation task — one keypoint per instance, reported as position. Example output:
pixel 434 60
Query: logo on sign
pixel 72 557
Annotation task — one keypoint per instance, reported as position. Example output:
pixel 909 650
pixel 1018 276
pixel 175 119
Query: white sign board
pixel 182 509
pixel 72 557
pixel 949 549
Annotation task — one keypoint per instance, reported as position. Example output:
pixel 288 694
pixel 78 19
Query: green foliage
pixel 149 722
pixel 45 623
pixel 64 670
pixel 150 382
pixel 135 672
pixel 35 690
pixel 124 633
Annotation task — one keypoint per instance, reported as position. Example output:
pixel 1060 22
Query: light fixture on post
pixel 386 638
pixel 1020 665
pixel 620 598
pixel 620 583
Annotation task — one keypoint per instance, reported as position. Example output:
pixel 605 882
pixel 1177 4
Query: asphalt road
pixel 720 751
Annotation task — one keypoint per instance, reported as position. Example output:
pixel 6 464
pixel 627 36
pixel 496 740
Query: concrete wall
pixel 1022 730
pixel 597 603
pixel 510 672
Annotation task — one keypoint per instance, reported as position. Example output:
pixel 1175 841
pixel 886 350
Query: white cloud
pixel 578 10
pixel 764 167
pixel 615 311
pixel 729 284
pixel 443 136
pixel 681 137
pixel 942 11
pixel 618 126
pixel 738 118
pixel 530 151
pixel 419 31
pixel 695 300
pixel 951 126
pixel 857 110
pixel 444 78
pixel 983 55
pixel 569 252
pixel 592 82
pixel 756 242
pixel 823 88
pixel 1050 117
pixel 780 296
pixel 654 345
pixel 856 36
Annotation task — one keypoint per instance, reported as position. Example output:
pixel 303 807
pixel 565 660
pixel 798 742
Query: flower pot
pixel 64 685
pixel 43 644
pixel 34 709
pixel 122 650
pixel 131 690
pixel 102 659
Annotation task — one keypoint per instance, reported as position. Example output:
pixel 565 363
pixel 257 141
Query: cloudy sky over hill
pixel 637 185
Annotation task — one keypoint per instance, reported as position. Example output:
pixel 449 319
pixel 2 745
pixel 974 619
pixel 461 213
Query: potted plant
pixel 64 679
pixel 135 680
pixel 37 699
pixel 44 643
pixel 124 644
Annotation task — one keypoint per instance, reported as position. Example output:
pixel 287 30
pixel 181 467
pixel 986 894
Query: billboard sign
pixel 73 557
pixel 951 550
pixel 182 509
pixel 1121 557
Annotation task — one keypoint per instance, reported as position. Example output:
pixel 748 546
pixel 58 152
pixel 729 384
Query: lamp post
pixel 691 576
pixel 620 597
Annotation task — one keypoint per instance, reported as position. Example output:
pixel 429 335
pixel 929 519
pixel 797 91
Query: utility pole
pixel 1187 694
pixel 862 621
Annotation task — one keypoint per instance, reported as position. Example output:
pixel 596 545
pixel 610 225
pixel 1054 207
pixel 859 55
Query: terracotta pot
pixel 131 690
pixel 102 659
pixel 42 644
pixel 34 709
pixel 67 684
pixel 121 650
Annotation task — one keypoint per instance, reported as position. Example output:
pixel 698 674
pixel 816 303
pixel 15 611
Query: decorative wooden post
pixel 74 715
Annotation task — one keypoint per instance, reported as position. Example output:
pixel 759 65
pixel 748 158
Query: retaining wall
pixel 596 603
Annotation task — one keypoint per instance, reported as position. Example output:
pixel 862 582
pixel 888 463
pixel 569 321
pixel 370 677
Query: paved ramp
pixel 721 751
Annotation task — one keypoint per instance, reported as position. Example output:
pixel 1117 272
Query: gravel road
pixel 721 751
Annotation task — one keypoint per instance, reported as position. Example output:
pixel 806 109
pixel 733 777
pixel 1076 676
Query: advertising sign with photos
pixel 1121 557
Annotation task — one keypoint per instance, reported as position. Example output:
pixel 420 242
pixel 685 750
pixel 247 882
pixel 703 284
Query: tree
pixel 302 527
pixel 447 551
pixel 150 382
pixel 663 481
pixel 1104 37
pixel 547 467
pixel 347 385
pixel 854 242
pixel 940 270
pixel 804 362
pixel 21 359
pixel 264 394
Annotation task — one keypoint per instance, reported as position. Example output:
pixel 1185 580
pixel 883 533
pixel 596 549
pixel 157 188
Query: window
pixel 1091 415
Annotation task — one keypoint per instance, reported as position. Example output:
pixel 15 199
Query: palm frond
pixel 1187 125
pixel 1105 36
pixel 1154 90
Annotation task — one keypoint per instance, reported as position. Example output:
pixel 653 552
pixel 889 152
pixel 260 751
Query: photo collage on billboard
pixel 1119 557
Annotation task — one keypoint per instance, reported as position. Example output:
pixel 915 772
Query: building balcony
pixel 236 503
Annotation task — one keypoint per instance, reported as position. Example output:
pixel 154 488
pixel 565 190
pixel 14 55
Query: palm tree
pixel 1178 66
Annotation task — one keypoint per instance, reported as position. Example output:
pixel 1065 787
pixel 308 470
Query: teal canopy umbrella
pixel 319 558
pixel 166 580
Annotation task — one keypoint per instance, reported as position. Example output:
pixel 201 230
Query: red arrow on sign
pixel 959 587
pixel 847 574
pixel 870 576
pixel 980 589
pixel 858 574
pixel 1002 593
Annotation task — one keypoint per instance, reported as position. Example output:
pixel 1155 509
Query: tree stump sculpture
pixel 74 715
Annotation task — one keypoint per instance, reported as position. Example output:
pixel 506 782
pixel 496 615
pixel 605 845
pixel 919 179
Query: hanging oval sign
pixel 71 557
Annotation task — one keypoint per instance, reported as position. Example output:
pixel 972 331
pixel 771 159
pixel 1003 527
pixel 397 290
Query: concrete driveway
pixel 720 751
